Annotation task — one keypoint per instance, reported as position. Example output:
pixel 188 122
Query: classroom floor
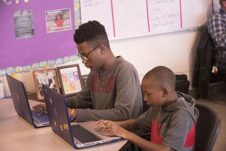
pixel 217 101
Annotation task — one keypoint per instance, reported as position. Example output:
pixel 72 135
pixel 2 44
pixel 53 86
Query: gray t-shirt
pixel 112 95
pixel 172 125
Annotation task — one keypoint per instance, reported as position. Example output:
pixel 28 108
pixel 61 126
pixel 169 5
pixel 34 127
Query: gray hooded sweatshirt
pixel 172 125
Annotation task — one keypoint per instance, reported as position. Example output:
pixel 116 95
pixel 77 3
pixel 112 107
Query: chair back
pixel 207 128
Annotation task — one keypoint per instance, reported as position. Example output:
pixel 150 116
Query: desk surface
pixel 17 134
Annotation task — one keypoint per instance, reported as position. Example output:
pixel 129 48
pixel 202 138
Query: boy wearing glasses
pixel 112 90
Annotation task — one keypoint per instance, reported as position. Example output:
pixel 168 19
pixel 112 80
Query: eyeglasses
pixel 85 57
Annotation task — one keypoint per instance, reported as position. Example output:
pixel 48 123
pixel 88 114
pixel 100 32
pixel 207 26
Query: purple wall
pixel 41 46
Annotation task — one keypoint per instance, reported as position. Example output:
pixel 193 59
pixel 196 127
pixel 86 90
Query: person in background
pixel 112 90
pixel 171 119
pixel 59 20
pixel 217 26
pixel 217 30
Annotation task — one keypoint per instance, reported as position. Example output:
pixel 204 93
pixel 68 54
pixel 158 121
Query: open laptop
pixel 79 135
pixel 20 100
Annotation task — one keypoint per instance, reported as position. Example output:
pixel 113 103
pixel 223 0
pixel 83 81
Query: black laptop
pixel 79 135
pixel 20 100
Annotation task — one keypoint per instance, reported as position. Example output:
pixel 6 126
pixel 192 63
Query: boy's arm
pixel 145 144
pixel 114 129
pixel 128 124
pixel 81 99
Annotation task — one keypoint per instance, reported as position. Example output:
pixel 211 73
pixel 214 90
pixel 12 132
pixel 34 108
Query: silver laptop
pixel 79 135
pixel 20 100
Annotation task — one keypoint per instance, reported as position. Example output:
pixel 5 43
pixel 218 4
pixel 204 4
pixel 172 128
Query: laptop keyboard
pixel 83 135
pixel 40 117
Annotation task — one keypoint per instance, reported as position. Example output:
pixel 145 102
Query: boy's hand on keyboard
pixel 71 113
pixel 40 107
pixel 110 128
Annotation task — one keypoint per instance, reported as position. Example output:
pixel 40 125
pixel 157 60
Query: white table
pixel 16 134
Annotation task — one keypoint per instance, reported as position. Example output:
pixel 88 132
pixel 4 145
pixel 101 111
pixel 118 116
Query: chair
pixel 203 63
pixel 182 83
pixel 207 128
pixel 206 58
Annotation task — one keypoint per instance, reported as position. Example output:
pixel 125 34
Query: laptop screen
pixel 58 115
pixel 60 123
pixel 19 98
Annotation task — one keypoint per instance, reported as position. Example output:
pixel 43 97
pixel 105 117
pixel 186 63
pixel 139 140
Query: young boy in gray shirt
pixel 170 120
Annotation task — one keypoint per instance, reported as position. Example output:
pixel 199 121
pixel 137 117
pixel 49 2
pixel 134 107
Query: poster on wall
pixel 25 44
pixel 58 20
pixel 70 79
pixel 23 22
pixel 47 77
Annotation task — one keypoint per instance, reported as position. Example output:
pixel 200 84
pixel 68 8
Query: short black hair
pixel 92 32
pixel 162 75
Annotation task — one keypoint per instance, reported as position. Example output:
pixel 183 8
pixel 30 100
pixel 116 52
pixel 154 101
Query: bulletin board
pixel 37 33
pixel 32 39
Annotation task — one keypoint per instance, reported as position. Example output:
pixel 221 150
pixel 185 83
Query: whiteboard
pixel 195 12
pixel 164 15
pixel 132 18
pixel 216 5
